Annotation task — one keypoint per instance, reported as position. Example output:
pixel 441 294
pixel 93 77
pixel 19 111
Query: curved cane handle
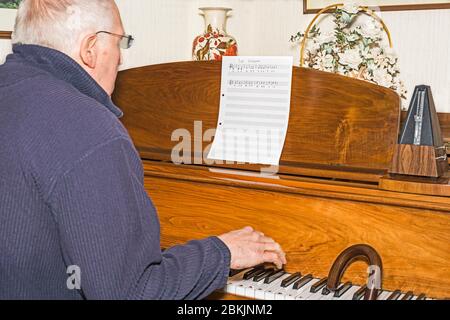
pixel 351 255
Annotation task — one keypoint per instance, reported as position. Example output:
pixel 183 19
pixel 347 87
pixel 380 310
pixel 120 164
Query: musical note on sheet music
pixel 254 110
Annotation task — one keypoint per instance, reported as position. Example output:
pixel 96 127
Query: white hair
pixel 59 24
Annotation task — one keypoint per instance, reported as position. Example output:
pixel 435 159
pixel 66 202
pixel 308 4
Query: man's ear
pixel 88 51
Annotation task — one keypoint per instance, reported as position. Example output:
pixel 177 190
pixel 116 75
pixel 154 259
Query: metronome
pixel 421 150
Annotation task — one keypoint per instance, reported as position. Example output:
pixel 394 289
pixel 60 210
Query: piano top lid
pixel 336 123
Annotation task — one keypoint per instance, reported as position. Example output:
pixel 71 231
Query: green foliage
pixel 9 4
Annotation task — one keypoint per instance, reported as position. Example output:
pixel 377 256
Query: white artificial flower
pixel 350 58
pixel 313 46
pixel 383 78
pixel 352 37
pixel 374 53
pixel 326 38
pixel 342 70
pixel 364 50
pixel 381 61
pixel 328 61
pixel 391 55
pixel 396 82
pixel 325 61
pixel 351 8
pixel 366 74
pixel 345 19
pixel 370 29
pixel 362 54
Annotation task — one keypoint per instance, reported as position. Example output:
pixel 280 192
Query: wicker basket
pixel 335 6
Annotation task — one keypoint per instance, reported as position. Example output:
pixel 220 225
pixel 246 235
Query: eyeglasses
pixel 126 41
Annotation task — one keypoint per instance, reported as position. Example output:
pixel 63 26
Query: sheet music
pixel 254 110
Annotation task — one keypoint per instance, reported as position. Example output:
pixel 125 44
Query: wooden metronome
pixel 421 150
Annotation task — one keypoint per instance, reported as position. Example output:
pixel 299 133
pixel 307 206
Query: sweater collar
pixel 65 68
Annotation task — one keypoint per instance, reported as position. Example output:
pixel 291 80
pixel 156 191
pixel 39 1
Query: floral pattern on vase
pixel 214 43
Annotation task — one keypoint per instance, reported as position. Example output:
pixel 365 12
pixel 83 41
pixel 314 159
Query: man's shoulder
pixel 39 91
pixel 12 73
pixel 49 105
pixel 52 124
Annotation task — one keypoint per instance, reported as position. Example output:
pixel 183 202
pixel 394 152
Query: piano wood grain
pixel 340 143
pixel 336 122
pixel 344 190
pixel 413 240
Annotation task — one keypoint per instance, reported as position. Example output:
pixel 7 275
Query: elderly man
pixel 71 182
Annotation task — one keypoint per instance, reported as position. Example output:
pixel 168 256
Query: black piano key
pixel 408 296
pixel 360 293
pixel 266 273
pixel 422 297
pixel 326 291
pixel 318 286
pixel 303 281
pixel 235 272
pixel 290 280
pixel 395 295
pixel 252 273
pixel 342 289
pixel 274 276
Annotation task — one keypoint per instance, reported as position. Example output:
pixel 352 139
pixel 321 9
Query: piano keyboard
pixel 270 284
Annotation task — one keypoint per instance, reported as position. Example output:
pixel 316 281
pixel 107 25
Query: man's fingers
pixel 274 258
pixel 250 247
pixel 265 239
pixel 269 246
pixel 275 247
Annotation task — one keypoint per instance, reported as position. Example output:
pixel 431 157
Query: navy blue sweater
pixel 72 194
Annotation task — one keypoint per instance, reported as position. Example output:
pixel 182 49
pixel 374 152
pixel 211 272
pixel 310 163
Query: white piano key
pixel 305 292
pixel 349 294
pixel 270 295
pixel 242 286
pixel 416 297
pixel 259 290
pixel 264 289
pixel 329 296
pixel 271 289
pixel 250 292
pixel 234 281
pixel 255 289
pixel 249 288
pixel 277 292
pixel 317 296
pixel 384 295
pixel 290 293
pixel 230 287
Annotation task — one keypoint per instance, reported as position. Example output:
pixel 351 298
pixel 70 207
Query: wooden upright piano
pixel 331 191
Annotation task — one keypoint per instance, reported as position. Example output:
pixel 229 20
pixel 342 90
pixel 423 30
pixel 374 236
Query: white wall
pixel 5 48
pixel 7 18
pixel 164 30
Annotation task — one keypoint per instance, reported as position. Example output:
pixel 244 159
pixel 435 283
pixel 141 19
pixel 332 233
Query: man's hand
pixel 250 248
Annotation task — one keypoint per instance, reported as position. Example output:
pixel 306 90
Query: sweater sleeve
pixel 109 228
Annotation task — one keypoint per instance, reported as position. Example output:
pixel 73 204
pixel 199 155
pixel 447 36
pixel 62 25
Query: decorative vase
pixel 214 42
